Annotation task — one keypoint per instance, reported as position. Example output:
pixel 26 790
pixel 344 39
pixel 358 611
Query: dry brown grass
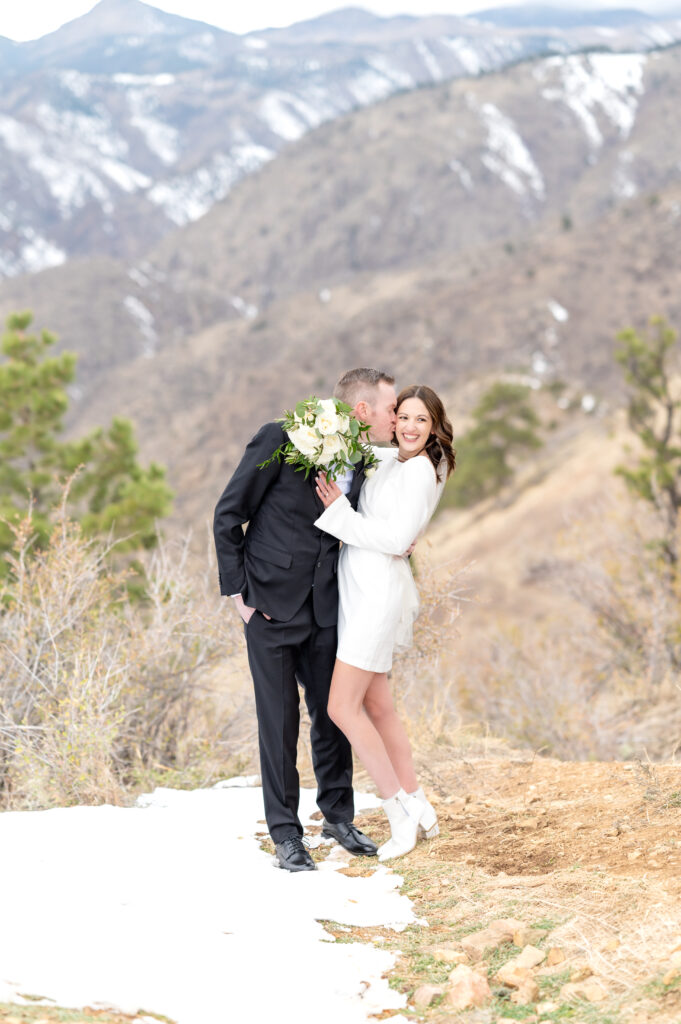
pixel 100 693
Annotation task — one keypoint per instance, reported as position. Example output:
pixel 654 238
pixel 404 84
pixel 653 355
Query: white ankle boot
pixel 428 826
pixel 403 814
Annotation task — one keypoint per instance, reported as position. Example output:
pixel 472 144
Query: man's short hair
pixel 360 384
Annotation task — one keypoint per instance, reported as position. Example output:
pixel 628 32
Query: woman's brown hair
pixel 439 444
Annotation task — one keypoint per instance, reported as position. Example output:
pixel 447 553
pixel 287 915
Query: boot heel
pixel 428 826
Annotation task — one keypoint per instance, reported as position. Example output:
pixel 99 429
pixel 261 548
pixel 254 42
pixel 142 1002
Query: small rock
pixel 547 1006
pixel 527 936
pixel 511 975
pixel 528 824
pixel 526 994
pixel 551 971
pixel 555 956
pixel 446 955
pixel 466 988
pixel 634 855
pixel 496 934
pixel 516 972
pixel 425 994
pixel 530 957
pixel 591 989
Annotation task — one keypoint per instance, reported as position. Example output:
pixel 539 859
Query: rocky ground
pixel 551 894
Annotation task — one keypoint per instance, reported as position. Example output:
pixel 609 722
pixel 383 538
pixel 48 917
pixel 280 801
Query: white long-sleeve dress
pixel 378 597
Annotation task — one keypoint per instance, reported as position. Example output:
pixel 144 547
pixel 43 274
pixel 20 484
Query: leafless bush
pixel 602 681
pixel 99 692
pixel 421 679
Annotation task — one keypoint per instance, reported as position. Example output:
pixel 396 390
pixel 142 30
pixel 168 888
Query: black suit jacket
pixel 282 555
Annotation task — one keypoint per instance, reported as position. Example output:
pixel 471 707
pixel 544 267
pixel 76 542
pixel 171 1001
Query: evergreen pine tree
pixel 111 492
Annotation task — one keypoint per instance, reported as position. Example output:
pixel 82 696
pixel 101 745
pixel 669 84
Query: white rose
pixel 305 440
pixel 343 424
pixel 328 420
pixel 369 472
pixel 331 445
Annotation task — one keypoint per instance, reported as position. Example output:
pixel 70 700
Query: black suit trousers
pixel 282 655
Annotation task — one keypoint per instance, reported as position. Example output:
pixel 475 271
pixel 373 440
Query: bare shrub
pixel 603 680
pixel 422 684
pixel 100 693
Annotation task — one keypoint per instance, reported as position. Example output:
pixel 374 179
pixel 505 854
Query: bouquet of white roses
pixel 322 434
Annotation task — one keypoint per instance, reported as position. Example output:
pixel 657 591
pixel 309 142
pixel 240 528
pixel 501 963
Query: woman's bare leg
pixel 349 686
pixel 378 702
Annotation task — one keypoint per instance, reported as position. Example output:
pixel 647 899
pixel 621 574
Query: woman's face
pixel 413 428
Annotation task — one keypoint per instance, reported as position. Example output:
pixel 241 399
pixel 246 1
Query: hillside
pixel 550 309
pixel 466 207
pixel 129 121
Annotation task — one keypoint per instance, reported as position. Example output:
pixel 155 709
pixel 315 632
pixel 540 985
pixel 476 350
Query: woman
pixel 379 602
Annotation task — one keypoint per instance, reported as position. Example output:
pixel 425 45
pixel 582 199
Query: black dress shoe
pixel 345 833
pixel 292 855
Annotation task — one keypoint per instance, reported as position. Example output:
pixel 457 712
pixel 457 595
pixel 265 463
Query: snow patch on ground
pixel 279 112
pixel 199 48
pixel 557 311
pixel 94 131
pixel 429 60
pixel 33 254
pixel 483 55
pixel 76 82
pixel 38 253
pixel 605 84
pixel 245 309
pixel 399 78
pixel 171 906
pixel 187 198
pixel 144 319
pixel 155 80
pixel 73 152
pixel 463 174
pixel 624 185
pixel 369 87
pixel 467 54
pixel 161 138
pixel 508 156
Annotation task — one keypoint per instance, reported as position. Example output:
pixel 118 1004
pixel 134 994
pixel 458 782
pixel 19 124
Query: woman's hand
pixel 327 490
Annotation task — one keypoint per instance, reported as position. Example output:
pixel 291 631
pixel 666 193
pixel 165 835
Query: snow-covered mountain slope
pixel 469 171
pixel 128 122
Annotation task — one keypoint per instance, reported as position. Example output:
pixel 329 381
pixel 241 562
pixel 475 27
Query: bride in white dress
pixel 379 602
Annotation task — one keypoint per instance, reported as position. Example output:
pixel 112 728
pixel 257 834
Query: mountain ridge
pixel 107 146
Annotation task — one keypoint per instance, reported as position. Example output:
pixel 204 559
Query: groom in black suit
pixel 282 575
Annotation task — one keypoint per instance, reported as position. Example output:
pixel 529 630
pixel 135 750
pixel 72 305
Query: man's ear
pixel 361 411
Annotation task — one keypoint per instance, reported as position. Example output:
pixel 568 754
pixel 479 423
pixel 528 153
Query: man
pixel 282 576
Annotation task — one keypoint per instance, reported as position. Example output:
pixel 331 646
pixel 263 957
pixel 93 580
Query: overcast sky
pixel 28 19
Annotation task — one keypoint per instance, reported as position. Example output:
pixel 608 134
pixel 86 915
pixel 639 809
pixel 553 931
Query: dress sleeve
pixel 413 507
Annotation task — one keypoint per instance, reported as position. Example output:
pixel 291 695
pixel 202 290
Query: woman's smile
pixel 413 428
